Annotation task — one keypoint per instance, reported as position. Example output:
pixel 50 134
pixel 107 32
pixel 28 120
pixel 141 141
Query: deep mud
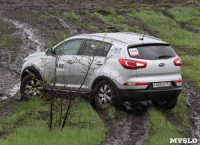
pixel 193 104
pixel 129 127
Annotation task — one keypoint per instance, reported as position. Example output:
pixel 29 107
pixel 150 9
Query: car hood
pixel 36 54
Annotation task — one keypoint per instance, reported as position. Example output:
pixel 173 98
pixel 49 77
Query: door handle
pixel 99 63
pixel 70 62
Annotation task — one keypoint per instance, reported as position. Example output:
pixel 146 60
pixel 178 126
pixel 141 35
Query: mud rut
pixel 128 128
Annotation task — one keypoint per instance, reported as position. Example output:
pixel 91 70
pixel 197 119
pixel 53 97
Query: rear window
pixel 151 52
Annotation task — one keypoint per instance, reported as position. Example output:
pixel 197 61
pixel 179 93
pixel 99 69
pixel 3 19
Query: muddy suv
pixel 128 67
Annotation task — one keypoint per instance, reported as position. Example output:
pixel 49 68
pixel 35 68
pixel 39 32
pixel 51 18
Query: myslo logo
pixel 183 140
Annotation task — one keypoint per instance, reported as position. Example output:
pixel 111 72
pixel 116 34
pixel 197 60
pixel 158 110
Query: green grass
pixel 3 40
pixel 87 128
pixel 112 111
pixel 35 135
pixel 186 15
pixel 72 16
pixel 191 68
pixel 168 30
pixel 92 27
pixel 25 114
pixel 110 18
pixel 180 112
pixel 162 130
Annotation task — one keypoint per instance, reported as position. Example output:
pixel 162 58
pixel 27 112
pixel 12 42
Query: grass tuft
pixel 162 130
pixel 73 17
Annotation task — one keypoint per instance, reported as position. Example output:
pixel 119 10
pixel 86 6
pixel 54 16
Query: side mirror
pixel 50 51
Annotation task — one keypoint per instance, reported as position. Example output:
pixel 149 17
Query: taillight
pixel 177 62
pixel 132 64
pixel 178 81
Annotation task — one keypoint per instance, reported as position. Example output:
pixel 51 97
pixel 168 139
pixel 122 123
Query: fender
pixel 32 69
pixel 101 78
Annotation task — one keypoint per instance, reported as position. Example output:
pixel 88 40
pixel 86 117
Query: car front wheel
pixel 30 87
pixel 104 95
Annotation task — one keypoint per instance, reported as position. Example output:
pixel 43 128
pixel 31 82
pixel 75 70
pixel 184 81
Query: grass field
pixel 29 127
pixel 186 15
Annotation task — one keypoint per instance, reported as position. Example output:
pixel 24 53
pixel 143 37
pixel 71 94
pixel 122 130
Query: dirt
pixel 193 104
pixel 129 127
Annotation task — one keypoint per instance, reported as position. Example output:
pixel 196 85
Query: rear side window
pixel 96 48
pixel 151 52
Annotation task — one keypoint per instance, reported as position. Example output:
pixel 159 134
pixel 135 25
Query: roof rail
pixel 104 37
pixel 140 35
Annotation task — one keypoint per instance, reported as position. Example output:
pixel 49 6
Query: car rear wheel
pixel 166 104
pixel 104 95
pixel 30 87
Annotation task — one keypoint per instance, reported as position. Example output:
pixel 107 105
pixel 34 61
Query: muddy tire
pixel 166 104
pixel 104 95
pixel 30 87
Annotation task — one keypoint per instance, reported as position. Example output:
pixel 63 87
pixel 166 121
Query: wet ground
pixel 193 103
pixel 131 125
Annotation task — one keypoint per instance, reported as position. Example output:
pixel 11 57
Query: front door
pixel 90 62
pixel 64 61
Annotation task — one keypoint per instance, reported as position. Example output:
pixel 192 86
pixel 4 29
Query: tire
pixel 166 104
pixel 30 87
pixel 104 95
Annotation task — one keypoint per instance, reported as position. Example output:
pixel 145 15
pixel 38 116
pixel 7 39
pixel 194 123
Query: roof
pixel 123 37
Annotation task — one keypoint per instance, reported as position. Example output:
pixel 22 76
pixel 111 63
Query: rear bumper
pixel 148 94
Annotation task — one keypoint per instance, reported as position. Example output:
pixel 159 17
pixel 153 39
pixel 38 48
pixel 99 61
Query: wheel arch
pixel 31 69
pixel 102 78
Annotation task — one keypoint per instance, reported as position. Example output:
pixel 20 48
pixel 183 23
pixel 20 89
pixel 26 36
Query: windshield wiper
pixel 164 56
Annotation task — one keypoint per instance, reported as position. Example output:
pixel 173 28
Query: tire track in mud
pixel 10 76
pixel 193 104
pixel 127 128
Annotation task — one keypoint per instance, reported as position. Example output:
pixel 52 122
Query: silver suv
pixel 126 67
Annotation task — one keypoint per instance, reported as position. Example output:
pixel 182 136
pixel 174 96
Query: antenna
pixel 142 37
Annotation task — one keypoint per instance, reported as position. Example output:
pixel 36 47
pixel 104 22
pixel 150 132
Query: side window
pixel 69 48
pixel 96 48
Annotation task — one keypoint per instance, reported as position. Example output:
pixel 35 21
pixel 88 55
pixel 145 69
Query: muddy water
pixel 193 103
pixel 10 77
